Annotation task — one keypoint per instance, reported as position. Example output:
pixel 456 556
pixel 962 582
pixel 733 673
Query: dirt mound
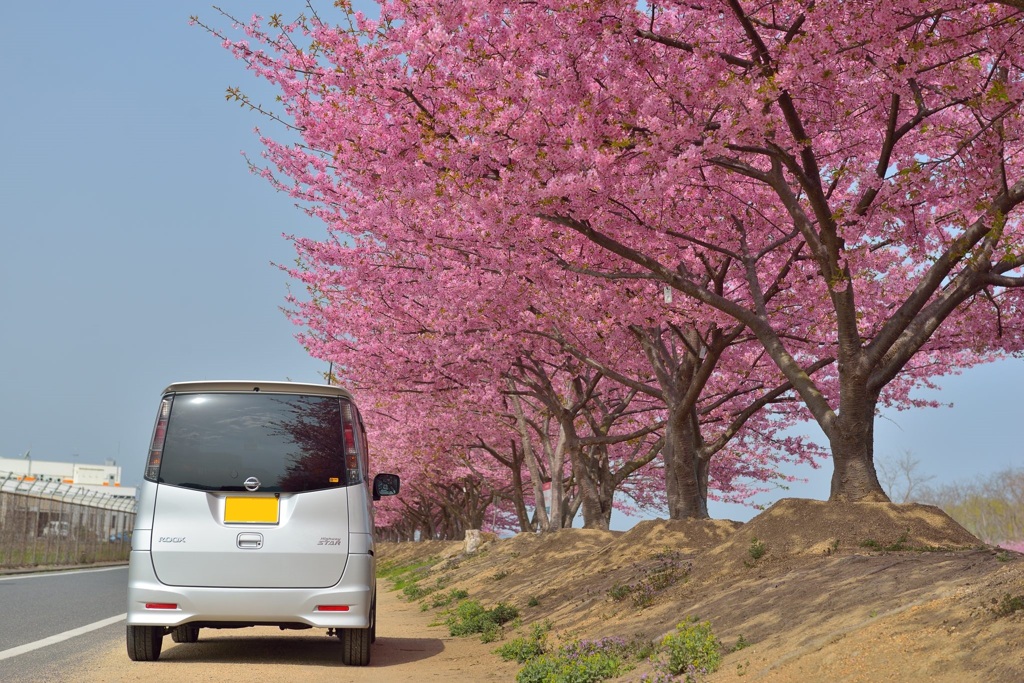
pixel 858 592
pixel 685 535
pixel 649 545
pixel 798 527
pixel 561 543
pixel 543 560
pixel 405 553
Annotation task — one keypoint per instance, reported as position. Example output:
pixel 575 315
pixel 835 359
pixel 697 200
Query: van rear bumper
pixel 246 606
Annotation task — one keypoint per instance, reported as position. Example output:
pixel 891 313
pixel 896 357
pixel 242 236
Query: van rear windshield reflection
pixel 215 442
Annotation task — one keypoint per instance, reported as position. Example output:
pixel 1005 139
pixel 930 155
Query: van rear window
pixel 215 442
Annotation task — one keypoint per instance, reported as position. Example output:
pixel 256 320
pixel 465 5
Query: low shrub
pixel 529 647
pixel 581 662
pixel 667 571
pixel 619 591
pixel 445 599
pixel 692 651
pixel 414 591
pixel 470 617
pixel 1008 605
pixel 898 545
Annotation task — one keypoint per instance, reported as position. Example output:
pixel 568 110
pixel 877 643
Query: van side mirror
pixel 385 485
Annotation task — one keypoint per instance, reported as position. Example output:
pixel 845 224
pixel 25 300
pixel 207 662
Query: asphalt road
pixel 69 627
pixel 48 619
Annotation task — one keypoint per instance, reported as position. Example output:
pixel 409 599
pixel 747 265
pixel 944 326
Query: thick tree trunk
pixel 686 474
pixel 559 517
pixel 427 530
pixel 853 443
pixel 540 513
pixel 522 514
pixel 676 364
pixel 593 477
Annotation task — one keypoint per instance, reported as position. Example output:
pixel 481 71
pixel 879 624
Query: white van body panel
pixel 250 606
pixel 307 548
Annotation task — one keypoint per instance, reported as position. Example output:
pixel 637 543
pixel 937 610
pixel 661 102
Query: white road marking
pixel 35 575
pixel 29 647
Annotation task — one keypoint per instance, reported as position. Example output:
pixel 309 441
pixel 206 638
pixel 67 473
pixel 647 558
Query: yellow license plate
pixel 253 510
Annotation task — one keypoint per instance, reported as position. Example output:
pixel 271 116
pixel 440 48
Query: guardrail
pixel 52 523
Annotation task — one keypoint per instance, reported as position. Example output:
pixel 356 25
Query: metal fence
pixel 51 523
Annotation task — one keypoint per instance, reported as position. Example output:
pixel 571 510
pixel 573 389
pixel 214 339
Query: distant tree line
pixel 991 507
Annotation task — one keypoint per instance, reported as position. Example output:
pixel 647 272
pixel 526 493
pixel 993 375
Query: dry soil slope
pixel 842 592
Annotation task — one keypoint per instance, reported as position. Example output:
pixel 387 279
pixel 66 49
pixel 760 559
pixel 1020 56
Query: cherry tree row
pixel 610 238
pixel 495 387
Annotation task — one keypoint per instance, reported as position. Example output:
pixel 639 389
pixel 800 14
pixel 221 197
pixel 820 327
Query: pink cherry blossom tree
pixel 372 319
pixel 840 181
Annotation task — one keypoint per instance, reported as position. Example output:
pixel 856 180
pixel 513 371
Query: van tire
pixel 144 643
pixel 373 620
pixel 186 633
pixel 355 646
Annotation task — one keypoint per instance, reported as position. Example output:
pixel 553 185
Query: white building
pixel 105 478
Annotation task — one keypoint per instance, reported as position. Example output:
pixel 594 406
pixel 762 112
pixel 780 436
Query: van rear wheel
pixel 186 633
pixel 355 646
pixel 144 643
pixel 373 620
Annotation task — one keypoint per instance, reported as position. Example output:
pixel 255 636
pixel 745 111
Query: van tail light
pixel 351 454
pixel 161 605
pixel 156 447
pixel 332 608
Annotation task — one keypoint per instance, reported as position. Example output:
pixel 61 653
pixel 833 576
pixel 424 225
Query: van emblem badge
pixel 251 484
pixel 324 540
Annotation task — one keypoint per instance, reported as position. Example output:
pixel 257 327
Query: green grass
pixel 406 577
pixel 580 662
pixel 1008 605
pixel 687 655
pixel 667 571
pixel 692 651
pixel 470 617
pixel 529 647
pixel 445 599
pixel 394 571
pixel 69 552
pixel 899 544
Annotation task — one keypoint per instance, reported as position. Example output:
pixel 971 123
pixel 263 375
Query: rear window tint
pixel 289 443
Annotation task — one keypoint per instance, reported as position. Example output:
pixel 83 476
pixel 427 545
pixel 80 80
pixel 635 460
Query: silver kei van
pixel 256 509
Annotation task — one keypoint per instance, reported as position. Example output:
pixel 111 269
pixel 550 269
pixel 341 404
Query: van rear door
pixel 252 491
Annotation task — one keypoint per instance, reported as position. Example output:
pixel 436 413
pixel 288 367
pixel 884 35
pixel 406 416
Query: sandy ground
pixel 408 648
pixel 851 593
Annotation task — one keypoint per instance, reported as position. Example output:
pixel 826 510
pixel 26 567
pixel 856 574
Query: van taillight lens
pixel 156 447
pixel 161 605
pixel 351 454
pixel 332 608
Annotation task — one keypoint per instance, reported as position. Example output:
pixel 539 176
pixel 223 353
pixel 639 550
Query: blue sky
pixel 137 249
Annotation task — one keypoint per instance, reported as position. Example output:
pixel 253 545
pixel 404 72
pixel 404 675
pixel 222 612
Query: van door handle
pixel 250 541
